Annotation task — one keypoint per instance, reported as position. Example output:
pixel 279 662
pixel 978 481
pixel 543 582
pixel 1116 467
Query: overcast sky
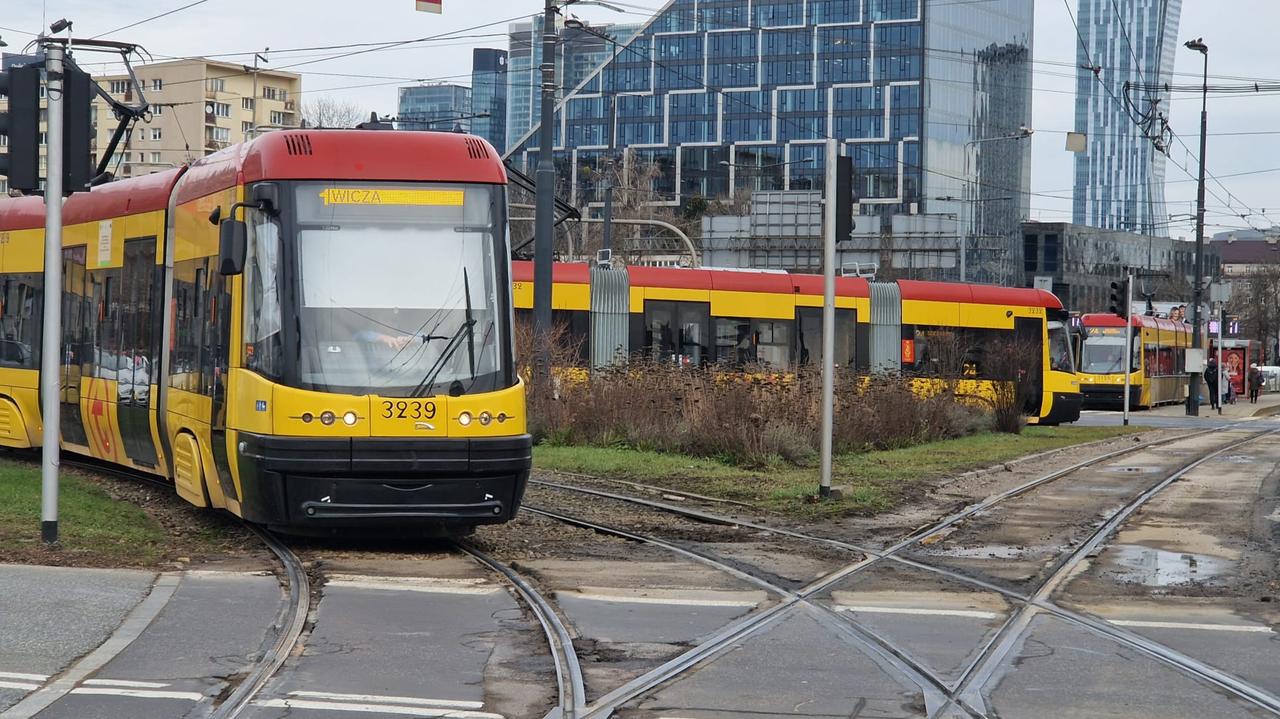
pixel 1240 34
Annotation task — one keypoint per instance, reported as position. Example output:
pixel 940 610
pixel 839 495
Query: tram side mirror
pixel 232 245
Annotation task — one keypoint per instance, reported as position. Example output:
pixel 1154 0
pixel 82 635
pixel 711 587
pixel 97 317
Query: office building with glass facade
pixel 489 95
pixel 579 54
pixel 722 97
pixel 1119 179
pixel 434 107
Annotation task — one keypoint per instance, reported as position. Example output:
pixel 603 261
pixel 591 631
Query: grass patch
pixel 94 528
pixel 871 482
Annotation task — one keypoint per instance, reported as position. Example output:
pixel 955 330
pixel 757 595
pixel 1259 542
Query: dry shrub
pixel 744 417
pixel 1015 363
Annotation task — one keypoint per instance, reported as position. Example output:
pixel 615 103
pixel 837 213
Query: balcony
pixel 289 105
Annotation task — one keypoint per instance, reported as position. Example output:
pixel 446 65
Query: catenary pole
pixel 1128 344
pixel 1197 340
pixel 50 357
pixel 544 216
pixel 829 317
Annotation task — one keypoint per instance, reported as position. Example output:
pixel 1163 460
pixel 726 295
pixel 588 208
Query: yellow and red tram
pixel 311 330
pixel 1157 361
pixel 774 320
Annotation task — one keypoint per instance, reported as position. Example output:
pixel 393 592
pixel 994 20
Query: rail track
pixel 964 695
pixel 290 622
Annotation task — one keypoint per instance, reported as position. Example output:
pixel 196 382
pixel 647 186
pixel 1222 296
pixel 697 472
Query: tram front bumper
pixel 301 483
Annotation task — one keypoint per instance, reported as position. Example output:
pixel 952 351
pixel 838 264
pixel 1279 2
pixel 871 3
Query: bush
pixel 749 417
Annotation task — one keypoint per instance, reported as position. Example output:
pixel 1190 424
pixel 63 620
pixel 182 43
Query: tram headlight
pixel 464 419
pixel 485 418
pixel 327 418
pixel 307 417
pixel 349 418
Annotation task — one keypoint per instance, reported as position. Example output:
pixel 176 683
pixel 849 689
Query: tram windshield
pixel 399 288
pixel 1104 354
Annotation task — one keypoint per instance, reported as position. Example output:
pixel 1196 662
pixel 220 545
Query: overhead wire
pixel 149 19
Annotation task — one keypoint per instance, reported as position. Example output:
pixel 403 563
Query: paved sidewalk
pixel 49 616
pixel 1268 404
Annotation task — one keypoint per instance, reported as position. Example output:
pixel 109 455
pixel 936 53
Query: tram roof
pixel 145 193
pixel 1106 319
pixel 346 155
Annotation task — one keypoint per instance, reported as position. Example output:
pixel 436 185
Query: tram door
pixel 219 334
pixel 73 361
pixel 1029 333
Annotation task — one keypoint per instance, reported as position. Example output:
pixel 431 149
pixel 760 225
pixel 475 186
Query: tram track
pixel 572 686
pixel 290 622
pixel 960 694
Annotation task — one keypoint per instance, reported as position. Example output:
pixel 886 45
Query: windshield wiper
pixel 468 329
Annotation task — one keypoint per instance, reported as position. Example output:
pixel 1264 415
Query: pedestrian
pixel 1211 381
pixel 1255 383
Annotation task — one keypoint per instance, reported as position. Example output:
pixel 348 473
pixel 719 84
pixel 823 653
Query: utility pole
pixel 1197 342
pixel 545 208
pixel 253 105
pixel 1128 342
pixel 831 212
pixel 51 339
pixel 607 241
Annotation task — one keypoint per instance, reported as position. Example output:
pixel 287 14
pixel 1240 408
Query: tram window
pixel 575 326
pixel 773 339
pixel 19 334
pixel 808 342
pixel 677 331
pixel 1060 355
pixel 733 341
pixel 263 343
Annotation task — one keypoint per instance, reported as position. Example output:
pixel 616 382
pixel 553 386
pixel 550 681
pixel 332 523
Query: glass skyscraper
pixel 1119 179
pixel 434 107
pixel 719 97
pixel 579 53
pixel 489 94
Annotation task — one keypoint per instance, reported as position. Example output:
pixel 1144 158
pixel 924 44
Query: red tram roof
pixel 145 193
pixel 1106 319
pixel 977 294
pixel 355 155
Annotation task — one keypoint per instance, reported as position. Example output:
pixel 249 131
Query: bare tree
pixel 1014 366
pixel 328 111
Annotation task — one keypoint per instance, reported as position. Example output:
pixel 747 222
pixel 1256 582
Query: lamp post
pixel 1022 133
pixel 1197 296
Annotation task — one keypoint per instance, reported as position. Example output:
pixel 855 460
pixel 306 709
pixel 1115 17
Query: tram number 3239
pixel 408 409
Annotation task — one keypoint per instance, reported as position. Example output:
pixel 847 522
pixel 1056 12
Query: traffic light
pixel 1120 297
pixel 844 198
pixel 21 124
pixel 77 129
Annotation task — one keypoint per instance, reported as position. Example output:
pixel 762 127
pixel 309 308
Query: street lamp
pixel 1197 297
pixel 1023 132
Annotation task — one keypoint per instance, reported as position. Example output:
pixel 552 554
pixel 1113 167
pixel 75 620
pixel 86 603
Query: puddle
pixel 988 552
pixel 1134 469
pixel 1236 459
pixel 1158 568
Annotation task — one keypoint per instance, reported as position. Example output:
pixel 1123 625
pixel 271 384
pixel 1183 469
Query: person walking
pixel 1211 382
pixel 1255 383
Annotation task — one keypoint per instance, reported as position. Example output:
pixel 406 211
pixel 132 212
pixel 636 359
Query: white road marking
pixel 973 613
pixel 670 601
pixel 375 698
pixel 1255 628
pixel 124 683
pixel 23 686
pixel 138 619
pixel 27 677
pixel 434 585
pixel 400 710
pixel 138 693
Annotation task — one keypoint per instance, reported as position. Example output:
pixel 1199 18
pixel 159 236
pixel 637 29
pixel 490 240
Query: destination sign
pixel 391 196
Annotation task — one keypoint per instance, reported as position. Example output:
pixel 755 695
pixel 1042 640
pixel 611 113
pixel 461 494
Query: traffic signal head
pixel 21 123
pixel 77 129
pixel 1120 298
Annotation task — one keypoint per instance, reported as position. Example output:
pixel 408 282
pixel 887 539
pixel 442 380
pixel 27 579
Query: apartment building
pixel 197 107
